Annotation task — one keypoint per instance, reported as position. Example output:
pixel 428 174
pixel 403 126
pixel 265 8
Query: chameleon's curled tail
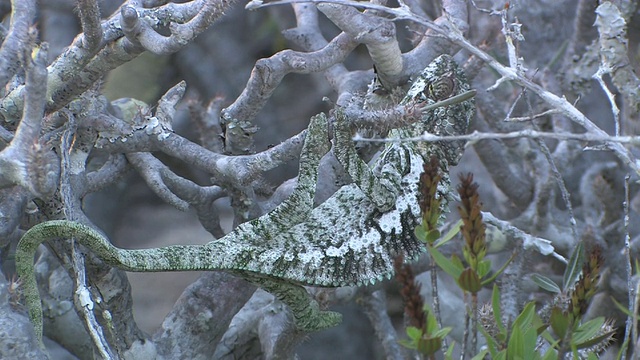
pixel 163 259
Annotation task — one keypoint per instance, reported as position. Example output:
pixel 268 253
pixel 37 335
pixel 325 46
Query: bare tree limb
pixel 208 305
pixel 13 47
pixel 24 159
pixel 374 305
pixel 89 13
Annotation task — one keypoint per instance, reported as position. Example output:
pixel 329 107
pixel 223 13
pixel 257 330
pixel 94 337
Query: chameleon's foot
pixel 306 311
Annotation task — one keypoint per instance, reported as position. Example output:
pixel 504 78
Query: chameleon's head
pixel 440 80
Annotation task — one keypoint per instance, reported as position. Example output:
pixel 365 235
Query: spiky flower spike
pixel 428 199
pixel 414 305
pixel 473 229
pixel 587 285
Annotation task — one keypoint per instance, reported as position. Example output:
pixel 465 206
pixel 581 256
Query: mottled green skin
pixel 350 239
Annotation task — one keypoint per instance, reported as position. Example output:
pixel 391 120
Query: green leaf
pixel 559 322
pixel 483 268
pixel 551 354
pixel 432 236
pixel 450 234
pixel 442 333
pixel 500 271
pixel 420 233
pixel 622 308
pixel 413 332
pixel 546 283
pixel 539 325
pixel 587 330
pixel 530 338
pixel 595 340
pixel 525 318
pixel 466 254
pixel 497 309
pixel 502 355
pixel 469 281
pixel 432 323
pixel 623 349
pixel 480 355
pixel 449 354
pixel 574 267
pixel 515 347
pixel 408 344
pixel 445 264
pixel 429 346
pixel 456 261
pixel 553 342
pixel 575 352
pixel 492 344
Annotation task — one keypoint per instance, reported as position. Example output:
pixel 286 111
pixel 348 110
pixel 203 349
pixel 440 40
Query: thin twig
pixel 527 133
pixel 436 298
pixel 474 323
pixel 465 334
pixel 605 69
pixel 630 286
pixel 566 197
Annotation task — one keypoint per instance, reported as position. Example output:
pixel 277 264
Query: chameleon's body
pixel 350 239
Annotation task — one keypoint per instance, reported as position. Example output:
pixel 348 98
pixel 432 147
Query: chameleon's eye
pixel 442 88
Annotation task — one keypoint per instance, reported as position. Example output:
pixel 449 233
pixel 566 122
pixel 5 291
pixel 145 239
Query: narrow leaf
pixel 622 308
pixel 530 338
pixel 444 263
pixel 546 283
pixel 483 268
pixel 623 349
pixel 559 322
pixel 596 340
pixel 500 271
pixel 551 354
pixel 588 330
pixel 480 355
pixel 442 333
pixel 492 344
pixel 449 354
pixel 515 347
pixel 525 319
pixel 574 267
pixel 450 234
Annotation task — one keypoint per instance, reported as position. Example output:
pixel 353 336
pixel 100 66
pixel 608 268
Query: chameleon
pixel 350 239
